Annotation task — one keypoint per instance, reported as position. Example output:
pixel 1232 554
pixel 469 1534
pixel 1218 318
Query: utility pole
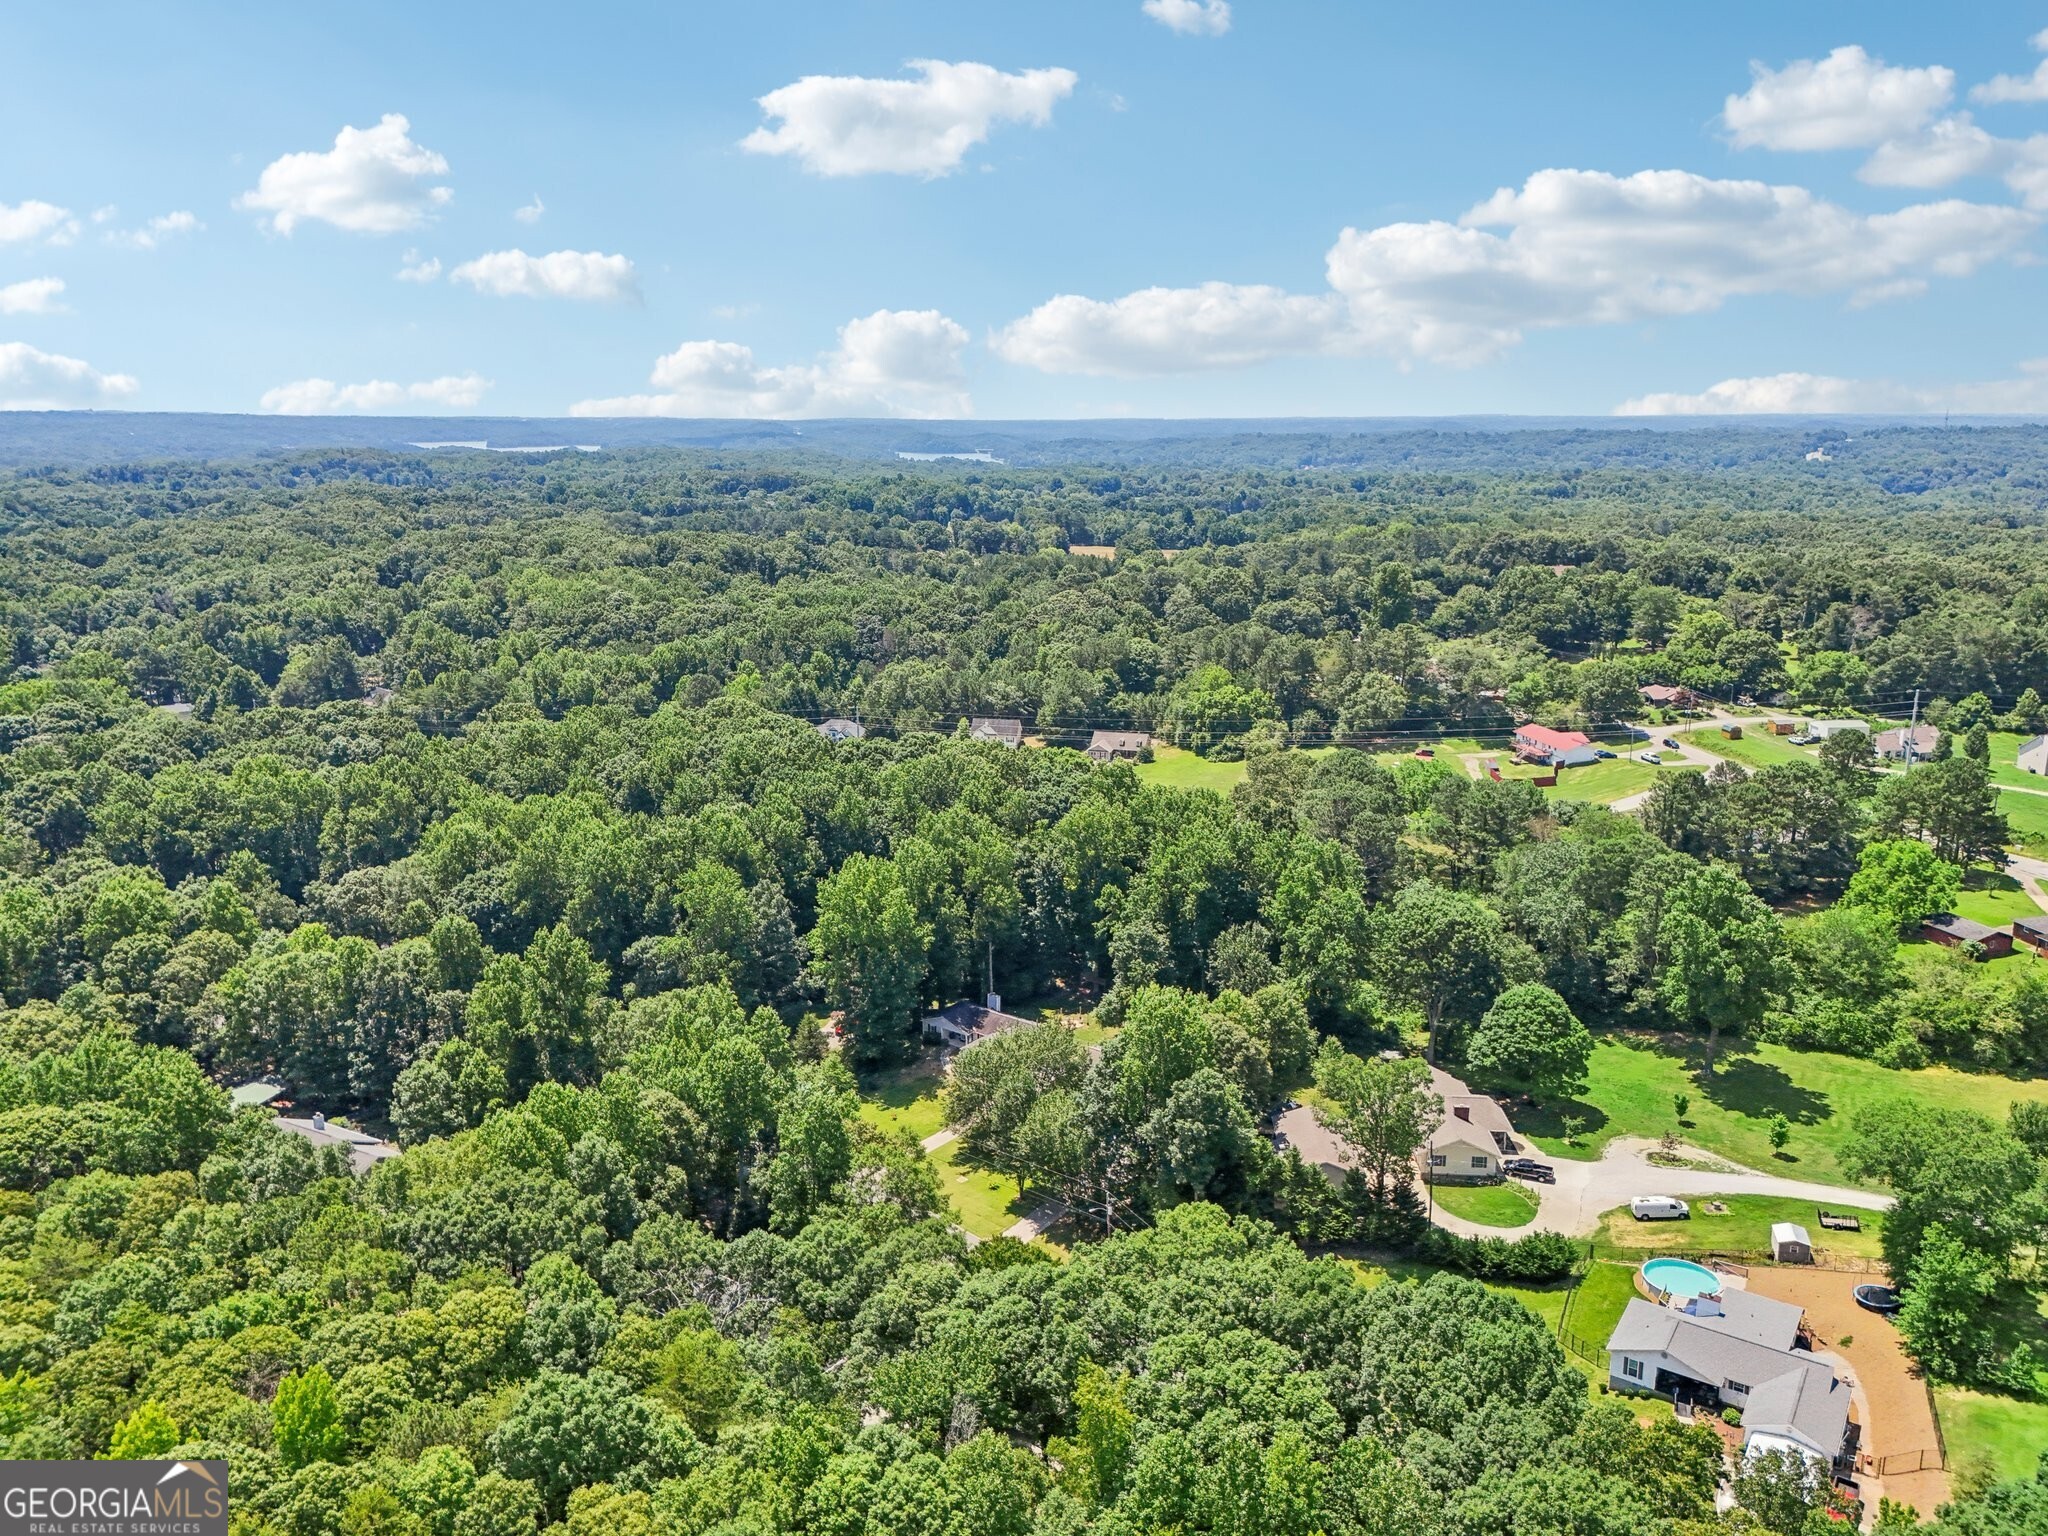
pixel 1912 727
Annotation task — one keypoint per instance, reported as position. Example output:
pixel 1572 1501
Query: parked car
pixel 1659 1208
pixel 1672 743
pixel 1425 751
pixel 1652 757
pixel 1528 1168
pixel 1602 752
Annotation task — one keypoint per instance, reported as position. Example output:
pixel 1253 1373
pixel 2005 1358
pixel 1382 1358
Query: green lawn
pixel 2027 815
pixel 1491 1205
pixel 1598 1301
pixel 2005 769
pixel 2012 1433
pixel 1605 782
pixel 907 1099
pixel 1632 1079
pixel 1175 769
pixel 1757 748
pixel 1995 899
pixel 1745 1228
pixel 983 1202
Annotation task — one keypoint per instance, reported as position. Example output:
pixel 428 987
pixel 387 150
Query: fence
pixel 1739 1261
pixel 1899 1463
pixel 1576 1343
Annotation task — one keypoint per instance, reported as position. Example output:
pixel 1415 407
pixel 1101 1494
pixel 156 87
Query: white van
pixel 1659 1208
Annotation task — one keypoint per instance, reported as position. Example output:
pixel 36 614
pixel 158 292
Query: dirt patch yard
pixel 1892 1399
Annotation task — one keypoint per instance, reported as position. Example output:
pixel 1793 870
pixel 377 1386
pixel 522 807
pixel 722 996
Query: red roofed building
pixel 1540 744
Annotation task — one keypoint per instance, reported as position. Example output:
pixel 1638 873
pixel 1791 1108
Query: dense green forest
pixel 479 800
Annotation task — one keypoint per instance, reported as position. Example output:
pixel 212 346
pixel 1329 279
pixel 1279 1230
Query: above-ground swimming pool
pixel 1681 1278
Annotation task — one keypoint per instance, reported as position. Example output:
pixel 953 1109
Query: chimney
pixel 1462 1111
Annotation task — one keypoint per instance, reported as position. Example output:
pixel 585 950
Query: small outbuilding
pixel 1790 1244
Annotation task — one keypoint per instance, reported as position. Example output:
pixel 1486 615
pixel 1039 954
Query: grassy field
pixel 1756 749
pixel 1175 769
pixel 907 1099
pixel 1606 782
pixel 1491 1205
pixel 1632 1079
pixel 2010 1432
pixel 1995 899
pixel 1745 1228
pixel 2005 769
pixel 2027 816
pixel 983 1202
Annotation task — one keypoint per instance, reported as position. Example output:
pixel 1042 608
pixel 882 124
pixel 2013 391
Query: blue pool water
pixel 1682 1278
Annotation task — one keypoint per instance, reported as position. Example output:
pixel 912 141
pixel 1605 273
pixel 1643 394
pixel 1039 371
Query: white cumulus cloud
pixel 413 269
pixel 846 125
pixel 2032 87
pixel 1172 330
pixel 155 232
pixel 1822 394
pixel 890 363
pixel 375 181
pixel 324 397
pixel 35 296
pixel 1192 18
pixel 531 212
pixel 1847 100
pixel 588 275
pixel 32 220
pixel 1567 248
pixel 34 380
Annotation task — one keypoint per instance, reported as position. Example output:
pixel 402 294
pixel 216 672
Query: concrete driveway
pixel 1573 1205
pixel 1584 1190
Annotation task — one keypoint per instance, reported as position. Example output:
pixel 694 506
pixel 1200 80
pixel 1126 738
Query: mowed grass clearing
pixel 908 1099
pixel 1755 748
pixel 1505 1204
pixel 1173 768
pixel 1603 783
pixel 2008 1432
pixel 1745 1227
pixel 1631 1081
pixel 2027 817
pixel 1995 899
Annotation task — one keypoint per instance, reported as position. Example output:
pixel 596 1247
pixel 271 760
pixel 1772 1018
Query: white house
pixel 1475 1135
pixel 2033 756
pixel 1821 730
pixel 1738 1349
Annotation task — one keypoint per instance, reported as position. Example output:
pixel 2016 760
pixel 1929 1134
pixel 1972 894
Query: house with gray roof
pixel 837 730
pixel 1475 1135
pixel 2033 755
pixel 1741 1350
pixel 364 1150
pixel 1004 733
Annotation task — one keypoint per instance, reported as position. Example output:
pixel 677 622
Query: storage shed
pixel 1790 1244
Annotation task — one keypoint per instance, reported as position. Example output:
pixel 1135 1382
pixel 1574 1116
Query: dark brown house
pixel 1947 928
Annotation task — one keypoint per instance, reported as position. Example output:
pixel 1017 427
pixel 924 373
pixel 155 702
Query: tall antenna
pixel 1912 729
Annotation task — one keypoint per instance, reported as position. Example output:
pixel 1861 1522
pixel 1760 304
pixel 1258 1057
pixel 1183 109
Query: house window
pixel 1479 1161
pixel 1632 1369
pixel 1437 1159
pixel 1735 1386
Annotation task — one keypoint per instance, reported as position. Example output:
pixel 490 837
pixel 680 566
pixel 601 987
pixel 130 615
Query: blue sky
pixel 1071 209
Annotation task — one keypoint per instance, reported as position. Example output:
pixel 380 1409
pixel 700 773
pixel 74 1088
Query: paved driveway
pixel 1573 1205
